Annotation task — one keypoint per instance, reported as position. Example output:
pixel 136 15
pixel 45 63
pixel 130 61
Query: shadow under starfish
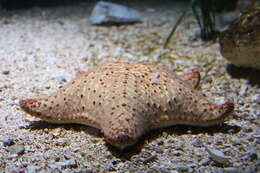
pixel 128 152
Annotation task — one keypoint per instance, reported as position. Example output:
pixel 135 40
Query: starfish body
pixel 126 100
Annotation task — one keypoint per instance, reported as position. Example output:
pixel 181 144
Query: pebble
pixel 206 162
pixel 217 156
pixel 107 13
pixel 68 164
pixel 252 155
pixel 6 72
pixel 61 79
pixel 16 149
pixel 76 150
pixel 8 142
pixel 61 143
pixel 110 167
pixel 197 144
pixel 32 169
pixel 230 170
pixel 150 158
pixel 56 134
pixel 181 167
pixel 176 153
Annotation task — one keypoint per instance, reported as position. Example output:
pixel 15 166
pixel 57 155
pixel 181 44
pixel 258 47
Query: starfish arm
pixel 192 78
pixel 188 107
pixel 64 106
pixel 35 107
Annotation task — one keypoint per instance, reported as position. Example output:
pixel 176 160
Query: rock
pixel 181 167
pixel 240 44
pixel 197 144
pixel 244 5
pixel 252 155
pixel 111 13
pixel 5 71
pixel 68 164
pixel 16 149
pixel 150 158
pixel 217 156
pixel 230 170
pixel 8 142
pixel 176 153
pixel 61 79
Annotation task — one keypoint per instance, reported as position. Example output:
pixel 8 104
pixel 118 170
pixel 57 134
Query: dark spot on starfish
pixel 85 81
pixel 81 95
pixel 94 102
pixel 94 91
pixel 57 105
pixel 123 104
pixel 92 77
pixel 72 82
pixel 113 97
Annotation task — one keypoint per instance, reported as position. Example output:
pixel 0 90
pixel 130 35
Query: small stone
pixel 217 156
pixel 56 134
pixel 110 167
pixel 111 13
pixel 150 158
pixel 76 150
pixel 61 143
pixel 197 144
pixel 68 164
pixel 108 155
pixel 252 155
pixel 176 153
pixel 61 79
pixel 16 149
pixel 8 142
pixel 230 170
pixel 206 162
pixel 181 167
pixel 5 71
pixel 192 165
pixel 32 169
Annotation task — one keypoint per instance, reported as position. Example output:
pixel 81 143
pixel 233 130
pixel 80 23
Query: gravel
pixel 48 43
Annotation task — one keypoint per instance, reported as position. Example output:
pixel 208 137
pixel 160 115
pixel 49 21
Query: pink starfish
pixel 126 100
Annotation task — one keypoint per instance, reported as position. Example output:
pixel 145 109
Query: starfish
pixel 126 100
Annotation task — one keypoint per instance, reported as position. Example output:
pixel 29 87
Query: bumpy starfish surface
pixel 126 100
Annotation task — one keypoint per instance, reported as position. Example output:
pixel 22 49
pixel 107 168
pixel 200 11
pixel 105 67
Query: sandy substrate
pixel 40 49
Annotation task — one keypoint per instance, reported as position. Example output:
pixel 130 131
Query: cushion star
pixel 126 100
